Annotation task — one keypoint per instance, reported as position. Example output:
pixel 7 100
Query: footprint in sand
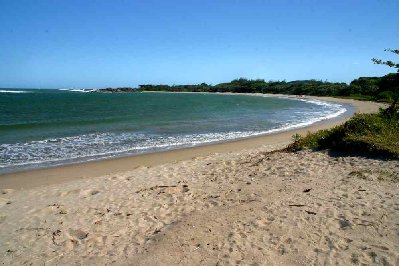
pixel 7 191
pixel 89 192
pixel 77 234
pixel 4 201
pixel 66 193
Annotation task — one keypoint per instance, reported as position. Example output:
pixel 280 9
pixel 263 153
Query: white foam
pixel 12 91
pixel 77 90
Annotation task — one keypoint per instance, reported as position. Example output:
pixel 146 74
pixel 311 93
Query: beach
pixel 236 202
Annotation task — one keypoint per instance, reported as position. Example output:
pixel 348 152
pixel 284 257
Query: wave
pixel 78 90
pixel 339 109
pixel 13 91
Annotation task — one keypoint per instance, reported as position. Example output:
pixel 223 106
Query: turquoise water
pixel 50 127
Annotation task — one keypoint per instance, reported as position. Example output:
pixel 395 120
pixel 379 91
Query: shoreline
pixel 58 174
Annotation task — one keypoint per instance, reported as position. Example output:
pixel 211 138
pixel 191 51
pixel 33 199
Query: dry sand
pixel 227 206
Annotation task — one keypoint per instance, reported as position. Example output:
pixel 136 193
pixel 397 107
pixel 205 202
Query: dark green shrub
pixel 366 134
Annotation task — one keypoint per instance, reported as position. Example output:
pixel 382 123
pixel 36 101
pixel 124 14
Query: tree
pixel 393 80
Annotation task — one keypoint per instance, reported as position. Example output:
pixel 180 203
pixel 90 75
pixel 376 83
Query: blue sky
pixel 86 44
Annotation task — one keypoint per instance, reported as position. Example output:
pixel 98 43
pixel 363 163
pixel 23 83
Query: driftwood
pixel 296 205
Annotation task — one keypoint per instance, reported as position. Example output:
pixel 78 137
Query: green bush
pixel 386 96
pixel 366 134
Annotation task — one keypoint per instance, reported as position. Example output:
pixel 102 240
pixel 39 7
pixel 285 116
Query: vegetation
pixel 392 82
pixel 371 134
pixel 365 88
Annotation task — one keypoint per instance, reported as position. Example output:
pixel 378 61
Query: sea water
pixel 40 128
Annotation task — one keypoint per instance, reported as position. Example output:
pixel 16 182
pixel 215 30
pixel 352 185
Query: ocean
pixel 41 128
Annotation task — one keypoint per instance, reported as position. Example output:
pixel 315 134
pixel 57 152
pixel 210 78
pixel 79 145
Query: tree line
pixel 367 88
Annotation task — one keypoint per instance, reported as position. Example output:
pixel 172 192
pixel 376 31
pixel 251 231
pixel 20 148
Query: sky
pixel 111 43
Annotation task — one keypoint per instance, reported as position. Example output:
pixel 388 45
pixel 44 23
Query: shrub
pixel 365 134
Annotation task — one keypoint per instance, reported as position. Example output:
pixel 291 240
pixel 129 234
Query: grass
pixel 363 134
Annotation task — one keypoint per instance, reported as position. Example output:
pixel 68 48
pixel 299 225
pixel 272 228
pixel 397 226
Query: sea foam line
pixel 13 91
pixel 77 90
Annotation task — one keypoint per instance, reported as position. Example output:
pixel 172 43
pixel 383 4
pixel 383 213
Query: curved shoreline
pixel 316 112
pixel 57 174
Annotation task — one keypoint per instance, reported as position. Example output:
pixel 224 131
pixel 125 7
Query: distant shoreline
pixel 57 174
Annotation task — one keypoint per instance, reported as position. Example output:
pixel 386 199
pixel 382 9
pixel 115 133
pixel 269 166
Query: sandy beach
pixel 224 204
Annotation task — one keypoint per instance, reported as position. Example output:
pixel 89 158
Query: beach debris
pixel 55 205
pixel 53 258
pixel 197 247
pixel 156 187
pixel 247 200
pixel 170 189
pixel 32 229
pixel 94 192
pixel 185 188
pixel 307 190
pixel 344 223
pixel 163 186
pixel 54 235
pixel 310 212
pixel 296 205
pixel 6 191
